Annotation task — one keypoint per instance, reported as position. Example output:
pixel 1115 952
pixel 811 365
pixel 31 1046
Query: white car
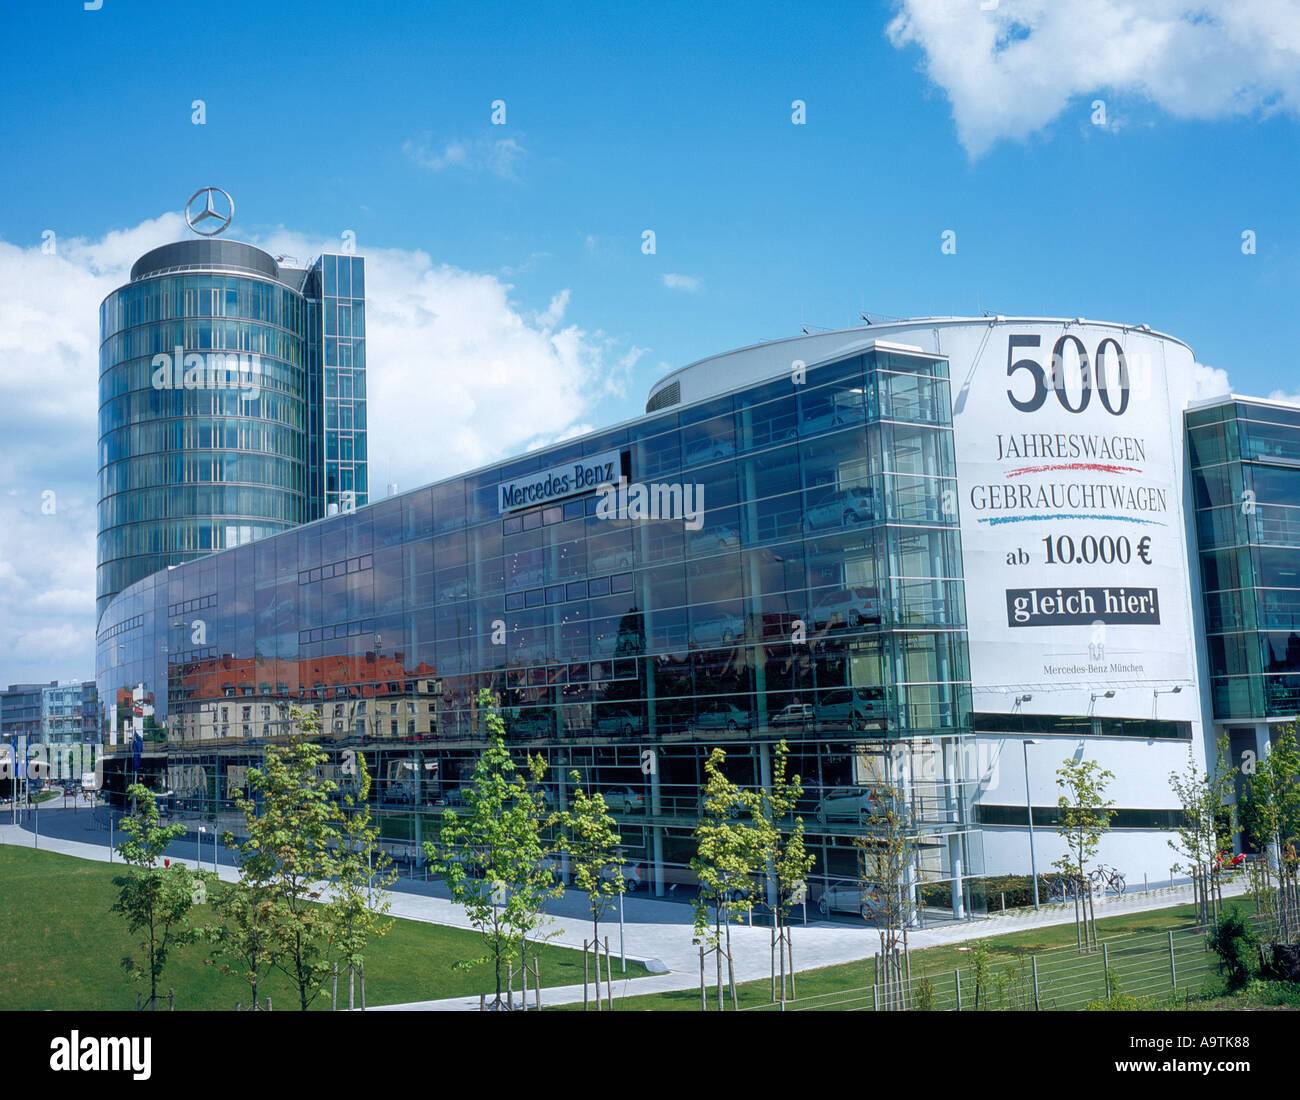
pixel 849 607
pixel 852 804
pixel 609 561
pixel 848 506
pixel 707 449
pixel 850 897
pixel 851 707
pixel 848 410
pixel 624 800
pixel 793 714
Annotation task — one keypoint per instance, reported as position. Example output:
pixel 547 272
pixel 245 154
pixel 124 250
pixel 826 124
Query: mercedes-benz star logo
pixel 209 212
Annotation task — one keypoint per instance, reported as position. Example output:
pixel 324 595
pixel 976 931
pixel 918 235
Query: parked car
pixel 853 804
pixel 843 507
pixel 843 895
pixel 849 607
pixel 617 720
pixel 851 707
pixel 718 538
pixel 723 716
pixel 846 409
pixel 633 876
pixel 624 800
pixel 707 449
pixel 793 714
pixel 609 560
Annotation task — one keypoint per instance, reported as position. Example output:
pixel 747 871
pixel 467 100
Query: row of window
pixel 198 467
pixel 185 296
pixel 200 434
pixel 228 337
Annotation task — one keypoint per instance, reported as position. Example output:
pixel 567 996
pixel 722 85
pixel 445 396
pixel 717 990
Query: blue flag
pixel 136 746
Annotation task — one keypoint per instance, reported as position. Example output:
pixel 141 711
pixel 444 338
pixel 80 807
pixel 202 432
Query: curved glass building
pixel 777 562
pixel 219 373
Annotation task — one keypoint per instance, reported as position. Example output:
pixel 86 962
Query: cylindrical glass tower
pixel 202 408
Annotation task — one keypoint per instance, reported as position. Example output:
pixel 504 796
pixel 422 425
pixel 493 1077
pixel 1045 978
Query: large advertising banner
pixel 1069 456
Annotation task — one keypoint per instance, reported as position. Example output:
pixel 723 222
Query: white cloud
pixel 1210 381
pixel 688 283
pixel 1010 71
pixel 483 154
pixel 459 375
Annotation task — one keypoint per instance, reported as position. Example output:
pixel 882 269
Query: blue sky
pixel 922 117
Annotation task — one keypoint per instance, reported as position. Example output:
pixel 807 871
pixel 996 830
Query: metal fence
pixel 1154 967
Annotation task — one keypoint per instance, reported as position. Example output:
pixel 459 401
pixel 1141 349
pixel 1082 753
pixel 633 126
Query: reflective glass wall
pixel 792 570
pixel 1245 461
pixel 202 414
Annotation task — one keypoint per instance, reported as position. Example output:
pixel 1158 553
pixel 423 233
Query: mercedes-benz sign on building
pixel 943 554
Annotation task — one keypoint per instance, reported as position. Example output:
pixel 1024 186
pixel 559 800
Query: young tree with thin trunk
pixel 888 876
pixel 241 936
pixel 1084 818
pixel 155 901
pixel 591 840
pixel 532 880
pixel 728 857
pixel 490 852
pixel 786 861
pixel 359 898
pixel 290 857
pixel 1205 796
pixel 1270 810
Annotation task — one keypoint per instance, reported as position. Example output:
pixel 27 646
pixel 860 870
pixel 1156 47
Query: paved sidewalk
pixel 661 930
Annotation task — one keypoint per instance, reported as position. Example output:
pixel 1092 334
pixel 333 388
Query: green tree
pixel 242 940
pixel 290 857
pixel 592 842
pixel 365 872
pixel 1271 812
pixel 780 841
pixel 1204 796
pixel 888 875
pixel 1234 943
pixel 154 901
pixel 491 853
pixel 1084 818
pixel 728 856
pixel 532 882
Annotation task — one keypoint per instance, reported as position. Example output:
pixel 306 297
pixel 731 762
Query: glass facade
pixel 816 596
pixel 20 710
pixel 1245 464
pixel 205 381
pixel 336 339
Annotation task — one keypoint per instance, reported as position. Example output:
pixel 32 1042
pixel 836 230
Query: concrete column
pixel 955 866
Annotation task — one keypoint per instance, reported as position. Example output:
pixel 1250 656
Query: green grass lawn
pixel 1137 957
pixel 63 949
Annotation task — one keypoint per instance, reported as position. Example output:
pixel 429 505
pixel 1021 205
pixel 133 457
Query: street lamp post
pixel 1029 810
pixel 198 848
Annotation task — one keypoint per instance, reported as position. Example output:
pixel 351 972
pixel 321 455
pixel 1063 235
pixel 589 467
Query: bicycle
pixel 1061 888
pixel 1105 879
